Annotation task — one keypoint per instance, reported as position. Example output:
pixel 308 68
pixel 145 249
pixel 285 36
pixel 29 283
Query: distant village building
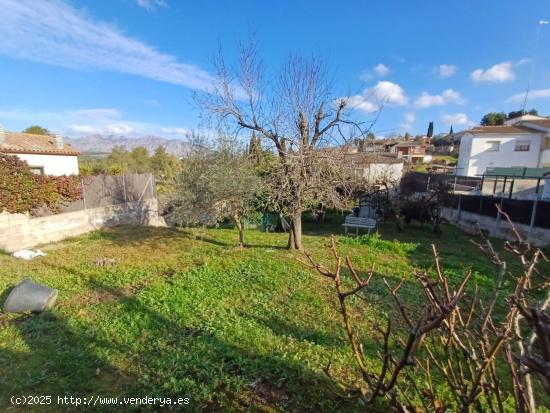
pixel 375 168
pixel 45 154
pixel 412 152
pixel 524 143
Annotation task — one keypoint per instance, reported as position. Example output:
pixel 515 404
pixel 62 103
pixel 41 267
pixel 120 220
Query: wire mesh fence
pixel 107 190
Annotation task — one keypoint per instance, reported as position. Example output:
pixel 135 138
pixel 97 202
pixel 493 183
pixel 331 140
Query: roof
pixel 500 129
pixel 364 158
pixel 406 144
pixel 18 142
pixel 545 123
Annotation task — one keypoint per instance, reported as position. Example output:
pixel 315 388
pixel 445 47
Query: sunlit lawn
pixel 185 313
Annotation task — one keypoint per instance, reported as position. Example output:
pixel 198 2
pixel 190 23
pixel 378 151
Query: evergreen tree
pixel 430 130
pixel 493 119
pixel 36 130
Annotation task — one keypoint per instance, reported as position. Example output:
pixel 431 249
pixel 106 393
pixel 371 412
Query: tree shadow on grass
pixel 137 235
pixel 285 328
pixel 142 352
pixel 57 359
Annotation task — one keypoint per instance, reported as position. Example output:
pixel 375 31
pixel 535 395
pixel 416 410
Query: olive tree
pixel 218 181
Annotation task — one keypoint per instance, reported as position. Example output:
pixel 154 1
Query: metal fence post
pixel 83 194
pixel 459 207
pixel 533 214
pixel 498 211
pixel 480 204
pixel 124 188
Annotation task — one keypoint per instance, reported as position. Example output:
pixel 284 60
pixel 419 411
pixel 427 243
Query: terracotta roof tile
pixel 363 158
pixel 501 129
pixel 18 142
pixel 542 122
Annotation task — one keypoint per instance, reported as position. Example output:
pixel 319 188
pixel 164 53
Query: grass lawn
pixel 185 313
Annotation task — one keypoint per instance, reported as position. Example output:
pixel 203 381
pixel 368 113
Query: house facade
pixel 412 152
pixel 375 168
pixel 525 143
pixel 45 154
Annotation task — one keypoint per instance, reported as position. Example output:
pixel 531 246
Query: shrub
pixel 22 191
pixel 17 185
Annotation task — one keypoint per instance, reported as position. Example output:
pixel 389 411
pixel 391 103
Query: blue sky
pixel 131 66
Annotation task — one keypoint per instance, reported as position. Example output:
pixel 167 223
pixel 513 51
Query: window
pixel 522 146
pixel 37 170
pixel 492 146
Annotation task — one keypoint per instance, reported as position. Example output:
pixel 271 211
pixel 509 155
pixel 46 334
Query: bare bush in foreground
pixel 458 354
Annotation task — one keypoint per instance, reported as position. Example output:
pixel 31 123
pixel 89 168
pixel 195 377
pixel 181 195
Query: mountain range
pixel 104 144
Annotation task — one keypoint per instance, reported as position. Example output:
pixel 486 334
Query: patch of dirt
pixel 268 392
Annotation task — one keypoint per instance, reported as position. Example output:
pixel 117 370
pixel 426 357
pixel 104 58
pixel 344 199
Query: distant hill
pixel 102 144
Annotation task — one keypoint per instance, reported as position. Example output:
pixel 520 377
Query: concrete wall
pixel 470 222
pixel 383 172
pixel 544 159
pixel 52 164
pixel 474 157
pixel 18 231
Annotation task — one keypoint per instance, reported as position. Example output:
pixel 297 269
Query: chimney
pixel 2 135
pixel 58 140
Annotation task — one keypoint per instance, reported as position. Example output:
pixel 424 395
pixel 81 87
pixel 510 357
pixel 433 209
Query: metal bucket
pixel 29 296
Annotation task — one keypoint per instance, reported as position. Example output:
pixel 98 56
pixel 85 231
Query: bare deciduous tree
pixel 296 114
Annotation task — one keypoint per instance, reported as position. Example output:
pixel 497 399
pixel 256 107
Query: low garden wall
pixel 18 231
pixel 497 227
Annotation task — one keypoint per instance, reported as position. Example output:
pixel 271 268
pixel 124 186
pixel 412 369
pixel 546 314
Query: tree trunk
pixel 295 235
pixel 240 227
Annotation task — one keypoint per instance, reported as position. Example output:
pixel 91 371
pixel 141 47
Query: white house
pixel 525 143
pixel 45 154
pixel 375 168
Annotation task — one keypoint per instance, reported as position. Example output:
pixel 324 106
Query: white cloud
pixel 446 70
pixel 84 129
pixel 384 93
pixel 100 113
pixel 533 94
pixel 108 129
pixel 455 119
pixel 176 131
pixel 408 119
pixel 380 70
pixel 87 121
pixel 55 33
pixel 151 5
pixel 499 73
pixel 425 100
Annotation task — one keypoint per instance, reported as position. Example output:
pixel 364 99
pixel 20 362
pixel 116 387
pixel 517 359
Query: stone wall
pixel 470 222
pixel 18 231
